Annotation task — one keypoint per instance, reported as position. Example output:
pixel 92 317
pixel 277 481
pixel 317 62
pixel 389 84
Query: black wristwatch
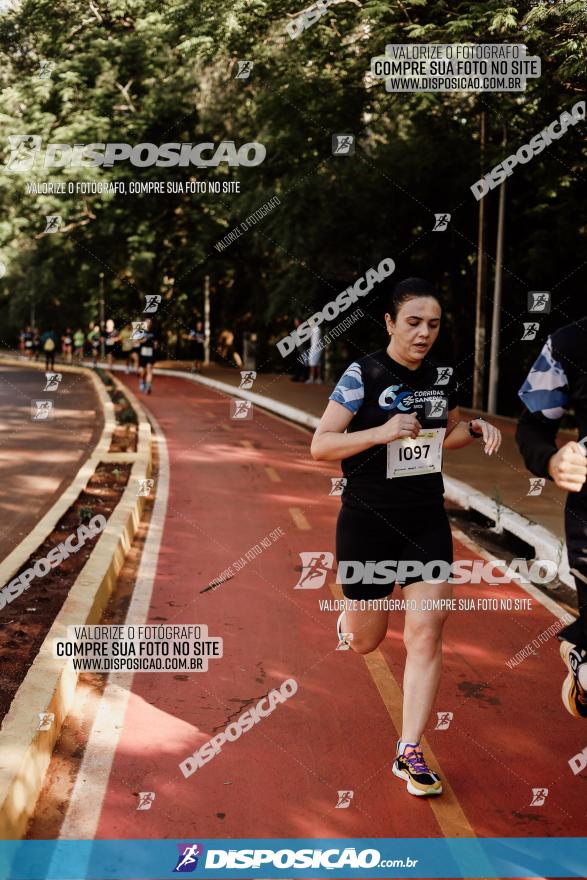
pixel 475 434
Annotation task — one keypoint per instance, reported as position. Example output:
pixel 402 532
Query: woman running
pixel 388 421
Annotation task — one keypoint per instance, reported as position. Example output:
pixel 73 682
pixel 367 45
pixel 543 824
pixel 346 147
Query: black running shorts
pixel 421 534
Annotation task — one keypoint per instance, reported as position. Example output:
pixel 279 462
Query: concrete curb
pixel 25 751
pixel 546 544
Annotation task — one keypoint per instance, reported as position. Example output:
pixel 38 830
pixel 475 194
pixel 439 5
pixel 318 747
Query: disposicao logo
pixel 25 149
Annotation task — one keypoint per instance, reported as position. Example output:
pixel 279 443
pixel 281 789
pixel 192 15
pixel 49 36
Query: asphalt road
pixel 39 458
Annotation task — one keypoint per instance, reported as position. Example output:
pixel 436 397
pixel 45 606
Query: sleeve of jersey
pixel 545 395
pixel 350 390
pixel 546 389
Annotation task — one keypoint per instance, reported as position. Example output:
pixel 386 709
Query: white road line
pixel 85 806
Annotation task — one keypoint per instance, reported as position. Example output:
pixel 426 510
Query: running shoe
pixel 412 767
pixel 574 696
pixel 142 386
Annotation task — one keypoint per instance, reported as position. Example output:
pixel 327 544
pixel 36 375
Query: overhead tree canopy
pixel 132 71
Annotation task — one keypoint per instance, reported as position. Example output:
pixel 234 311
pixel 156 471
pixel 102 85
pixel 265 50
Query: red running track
pixel 231 484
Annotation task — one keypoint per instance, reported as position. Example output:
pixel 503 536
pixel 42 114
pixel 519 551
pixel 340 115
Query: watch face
pixel 397 398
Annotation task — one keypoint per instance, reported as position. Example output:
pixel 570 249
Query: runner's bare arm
pixel 330 443
pixel 458 434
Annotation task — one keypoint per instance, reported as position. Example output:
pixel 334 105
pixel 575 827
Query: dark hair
pixel 408 289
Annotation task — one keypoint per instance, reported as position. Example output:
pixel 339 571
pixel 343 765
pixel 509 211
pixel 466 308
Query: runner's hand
pixel 491 435
pixel 398 426
pixel 568 467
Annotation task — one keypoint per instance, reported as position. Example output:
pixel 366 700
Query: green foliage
pixel 85 514
pixel 139 71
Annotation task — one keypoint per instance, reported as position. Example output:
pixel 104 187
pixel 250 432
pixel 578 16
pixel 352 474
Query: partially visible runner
pixel 388 420
pixel 78 344
pixel 67 346
pixel 148 345
pixel 226 348
pixel 556 384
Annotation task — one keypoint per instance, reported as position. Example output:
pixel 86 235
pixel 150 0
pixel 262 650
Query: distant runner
pixel 111 339
pixel 36 343
pixel 197 339
pixel 400 411
pixel 78 344
pixel 67 346
pixel 94 342
pixel 49 344
pixel 27 342
pixel 148 344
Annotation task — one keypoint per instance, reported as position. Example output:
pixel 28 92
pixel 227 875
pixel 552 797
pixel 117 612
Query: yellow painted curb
pixel 25 751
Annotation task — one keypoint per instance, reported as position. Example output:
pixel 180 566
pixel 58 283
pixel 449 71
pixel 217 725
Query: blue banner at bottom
pixel 416 858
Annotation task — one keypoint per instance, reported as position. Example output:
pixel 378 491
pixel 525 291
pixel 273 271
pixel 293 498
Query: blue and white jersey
pixel 374 389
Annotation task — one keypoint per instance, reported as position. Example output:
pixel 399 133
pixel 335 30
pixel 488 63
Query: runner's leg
pixel 368 629
pixel 423 642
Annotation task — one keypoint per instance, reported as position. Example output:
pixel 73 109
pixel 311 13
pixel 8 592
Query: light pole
pixel 497 287
pixel 479 363
pixel 102 322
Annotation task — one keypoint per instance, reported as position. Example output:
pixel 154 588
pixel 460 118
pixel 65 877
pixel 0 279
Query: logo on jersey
pixel 397 397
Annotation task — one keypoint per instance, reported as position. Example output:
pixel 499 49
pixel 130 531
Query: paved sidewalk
pixel 503 478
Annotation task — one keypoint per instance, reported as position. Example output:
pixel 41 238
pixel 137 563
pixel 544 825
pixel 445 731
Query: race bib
pixel 410 458
pixel 146 351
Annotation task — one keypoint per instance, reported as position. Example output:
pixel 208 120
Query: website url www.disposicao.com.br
pixel 329 859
